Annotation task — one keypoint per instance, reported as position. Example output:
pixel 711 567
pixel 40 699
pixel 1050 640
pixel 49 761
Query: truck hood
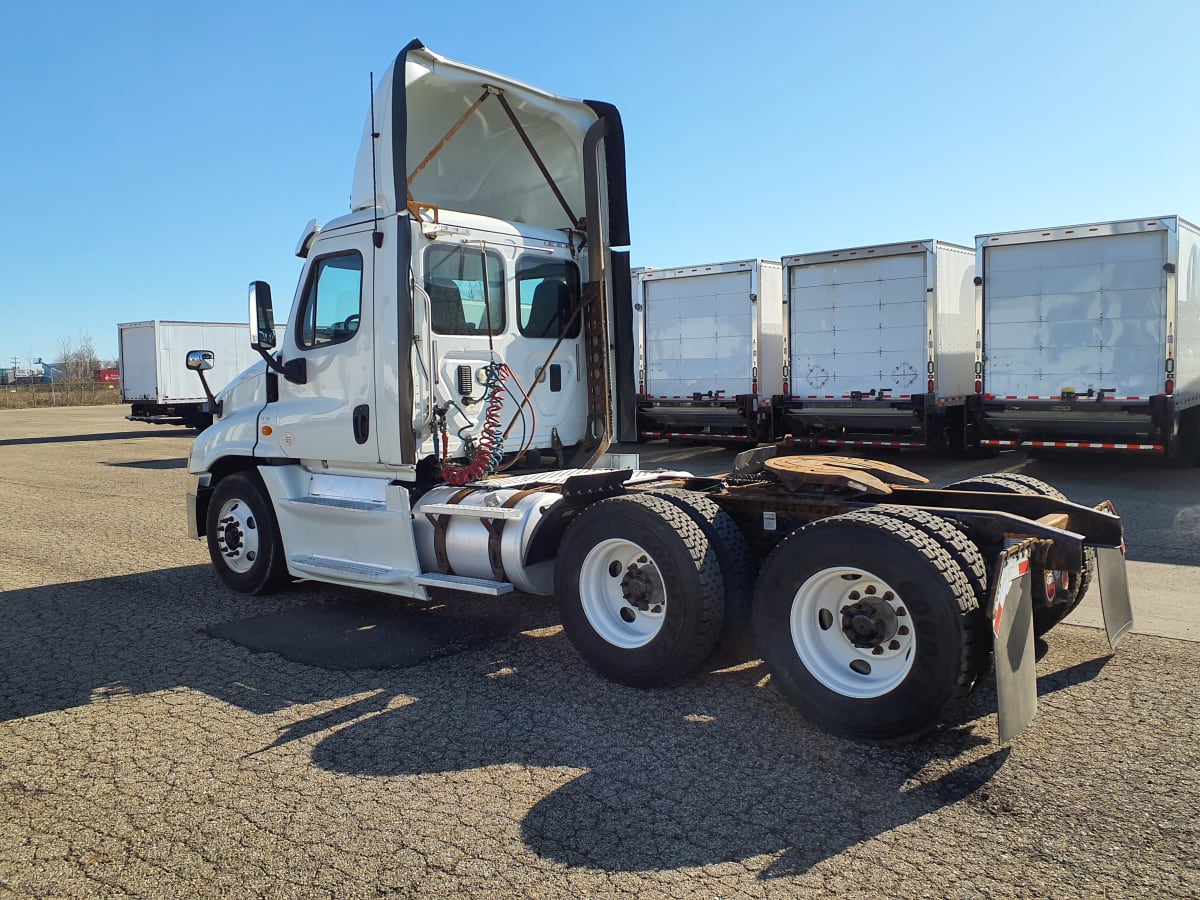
pixel 484 167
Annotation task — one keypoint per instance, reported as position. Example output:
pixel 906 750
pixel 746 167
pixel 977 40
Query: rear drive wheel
pixel 966 556
pixel 639 589
pixel 868 625
pixel 243 538
pixel 733 553
pixel 1185 450
pixel 1055 592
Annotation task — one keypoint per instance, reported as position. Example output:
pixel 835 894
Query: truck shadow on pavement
pixel 189 434
pixel 719 769
pixel 65 645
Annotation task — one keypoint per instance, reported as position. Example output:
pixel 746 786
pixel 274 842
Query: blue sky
pixel 156 157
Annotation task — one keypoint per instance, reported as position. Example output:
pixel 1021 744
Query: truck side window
pixel 332 302
pixel 548 295
pixel 454 280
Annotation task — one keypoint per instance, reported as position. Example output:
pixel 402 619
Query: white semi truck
pixel 881 347
pixel 154 378
pixel 470 314
pixel 1091 338
pixel 709 343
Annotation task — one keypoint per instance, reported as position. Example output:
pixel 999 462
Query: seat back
pixel 549 310
pixel 445 308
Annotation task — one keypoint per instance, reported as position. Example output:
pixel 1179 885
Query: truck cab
pixel 437 328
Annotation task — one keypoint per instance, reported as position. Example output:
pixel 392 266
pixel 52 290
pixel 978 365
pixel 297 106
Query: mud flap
pixel 1011 611
pixel 1114 593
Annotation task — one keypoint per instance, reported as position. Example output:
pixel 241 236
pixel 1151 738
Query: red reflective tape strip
pixel 834 442
pixel 1023 568
pixel 1086 445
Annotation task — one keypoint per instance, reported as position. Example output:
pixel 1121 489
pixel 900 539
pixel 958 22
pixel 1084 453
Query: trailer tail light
pixel 978 386
pixel 1170 386
pixel 931 385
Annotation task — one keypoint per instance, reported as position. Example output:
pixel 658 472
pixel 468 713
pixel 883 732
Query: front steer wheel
pixel 868 625
pixel 243 539
pixel 639 589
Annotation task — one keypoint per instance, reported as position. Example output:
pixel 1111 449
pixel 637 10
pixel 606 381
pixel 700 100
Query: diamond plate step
pixel 358 570
pixel 341 503
pixel 463 583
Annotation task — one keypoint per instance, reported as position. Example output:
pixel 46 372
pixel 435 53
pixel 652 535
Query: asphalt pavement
pixel 161 736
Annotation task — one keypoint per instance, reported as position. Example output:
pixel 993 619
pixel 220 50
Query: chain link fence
pixel 59 393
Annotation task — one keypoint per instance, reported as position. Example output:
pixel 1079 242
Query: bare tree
pixel 77 365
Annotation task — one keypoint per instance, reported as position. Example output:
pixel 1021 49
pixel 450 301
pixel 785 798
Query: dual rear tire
pixel 870 622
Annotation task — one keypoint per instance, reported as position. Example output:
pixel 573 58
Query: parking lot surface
pixel 161 736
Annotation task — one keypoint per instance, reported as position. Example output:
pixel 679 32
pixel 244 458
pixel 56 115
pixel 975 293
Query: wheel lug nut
pixel 888 596
pixel 900 611
pixel 894 645
pixel 903 629
pixel 877 650
pixel 871 589
pixel 854 595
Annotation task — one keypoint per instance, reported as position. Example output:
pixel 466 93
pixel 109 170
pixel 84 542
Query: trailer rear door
pixel 1078 314
pixel 858 325
pixel 699 334
pixel 138 351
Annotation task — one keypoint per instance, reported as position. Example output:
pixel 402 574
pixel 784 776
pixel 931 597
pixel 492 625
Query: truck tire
pixel 639 588
pixel 733 553
pixel 243 537
pixel 1055 593
pixel 951 538
pixel 1185 451
pixel 868 625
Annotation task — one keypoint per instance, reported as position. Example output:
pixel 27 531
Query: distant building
pixel 23 375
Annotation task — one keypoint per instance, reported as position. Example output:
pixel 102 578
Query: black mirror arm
pixel 294 370
pixel 213 405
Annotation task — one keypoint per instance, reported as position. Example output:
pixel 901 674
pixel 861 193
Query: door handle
pixel 362 423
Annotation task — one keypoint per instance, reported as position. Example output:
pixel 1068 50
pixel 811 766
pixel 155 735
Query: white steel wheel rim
pixel 237 535
pixel 616 580
pixel 819 632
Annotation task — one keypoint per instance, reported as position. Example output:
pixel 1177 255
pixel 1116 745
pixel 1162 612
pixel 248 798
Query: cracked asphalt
pixel 163 737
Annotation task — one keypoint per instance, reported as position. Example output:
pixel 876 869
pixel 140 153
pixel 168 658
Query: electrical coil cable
pixel 489 451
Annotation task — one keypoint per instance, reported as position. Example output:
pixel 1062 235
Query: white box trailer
pixel 155 379
pixel 709 349
pixel 1092 337
pixel 881 346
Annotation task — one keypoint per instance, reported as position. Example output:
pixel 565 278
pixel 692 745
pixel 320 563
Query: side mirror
pixel 200 360
pixel 262 317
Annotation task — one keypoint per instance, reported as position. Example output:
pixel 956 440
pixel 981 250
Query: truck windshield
pixel 455 282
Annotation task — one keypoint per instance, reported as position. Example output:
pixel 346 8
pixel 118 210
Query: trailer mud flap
pixel 1011 611
pixel 1114 594
pixel 1114 585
